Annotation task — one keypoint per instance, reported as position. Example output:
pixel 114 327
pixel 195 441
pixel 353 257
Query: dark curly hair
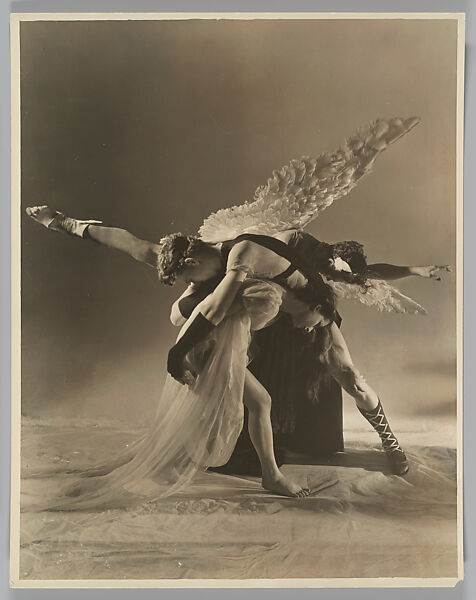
pixel 174 249
pixel 353 254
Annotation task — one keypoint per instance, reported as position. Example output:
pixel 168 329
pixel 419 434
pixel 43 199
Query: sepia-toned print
pixel 237 340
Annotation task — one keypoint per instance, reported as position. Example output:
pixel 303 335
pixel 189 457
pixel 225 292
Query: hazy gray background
pixel 152 125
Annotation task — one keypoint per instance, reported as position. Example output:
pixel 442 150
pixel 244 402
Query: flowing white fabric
pixel 195 426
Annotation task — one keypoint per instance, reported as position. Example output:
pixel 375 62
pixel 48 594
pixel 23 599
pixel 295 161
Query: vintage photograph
pixel 237 341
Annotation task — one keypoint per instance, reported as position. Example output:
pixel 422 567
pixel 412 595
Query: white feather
pixel 379 294
pixel 298 192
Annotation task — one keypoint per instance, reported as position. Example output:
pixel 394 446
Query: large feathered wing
pixel 298 192
pixel 379 294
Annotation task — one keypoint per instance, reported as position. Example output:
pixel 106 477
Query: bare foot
pixel 41 214
pixel 279 484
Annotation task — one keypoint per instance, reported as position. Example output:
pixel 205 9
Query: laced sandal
pixel 396 456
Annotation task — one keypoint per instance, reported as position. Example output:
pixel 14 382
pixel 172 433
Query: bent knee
pixel 259 402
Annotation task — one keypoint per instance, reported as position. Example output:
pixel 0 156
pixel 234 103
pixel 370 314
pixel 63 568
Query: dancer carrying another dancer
pixel 248 264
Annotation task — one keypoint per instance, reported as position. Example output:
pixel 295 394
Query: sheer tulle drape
pixel 194 427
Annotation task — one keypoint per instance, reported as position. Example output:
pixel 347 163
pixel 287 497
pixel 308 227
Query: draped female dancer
pixel 245 282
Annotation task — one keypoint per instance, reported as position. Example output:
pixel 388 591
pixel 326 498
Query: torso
pixel 259 261
pixel 262 263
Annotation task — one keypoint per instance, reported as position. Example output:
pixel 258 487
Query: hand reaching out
pixel 431 271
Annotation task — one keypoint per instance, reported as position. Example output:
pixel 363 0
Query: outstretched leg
pixel 258 403
pixel 343 370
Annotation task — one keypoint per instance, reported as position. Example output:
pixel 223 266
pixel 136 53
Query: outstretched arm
pixel 112 237
pixel 389 272
pixel 121 239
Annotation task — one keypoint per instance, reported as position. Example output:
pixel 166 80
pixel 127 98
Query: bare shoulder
pixel 286 236
pixel 243 256
pixel 242 247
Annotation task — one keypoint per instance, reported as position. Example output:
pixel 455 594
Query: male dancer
pixel 216 272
